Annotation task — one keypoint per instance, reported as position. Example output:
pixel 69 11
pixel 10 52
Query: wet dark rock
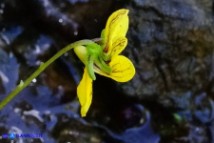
pixel 60 80
pixel 121 117
pixel 197 134
pixel 74 131
pixel 8 34
pixel 143 132
pixel 131 116
pixel 211 135
pixel 49 14
pixel 2 7
pixel 8 71
pixel 65 20
pixel 43 14
pixel 33 51
pixel 171 45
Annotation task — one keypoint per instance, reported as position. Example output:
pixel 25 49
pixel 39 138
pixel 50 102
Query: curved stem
pixel 41 68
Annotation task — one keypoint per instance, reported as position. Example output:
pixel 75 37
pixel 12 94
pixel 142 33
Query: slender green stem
pixel 41 68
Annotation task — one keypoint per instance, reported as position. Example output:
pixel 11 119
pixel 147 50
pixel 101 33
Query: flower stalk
pixel 41 68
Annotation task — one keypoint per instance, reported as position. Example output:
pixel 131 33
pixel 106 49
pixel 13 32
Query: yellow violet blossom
pixel 104 59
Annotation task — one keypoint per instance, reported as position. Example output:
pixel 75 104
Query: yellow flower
pixel 104 59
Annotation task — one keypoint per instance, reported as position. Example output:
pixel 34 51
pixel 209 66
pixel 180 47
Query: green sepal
pixel 103 39
pixel 89 66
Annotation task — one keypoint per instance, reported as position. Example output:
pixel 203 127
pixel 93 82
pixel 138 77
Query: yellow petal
pixel 116 28
pixel 118 46
pixel 122 69
pixel 84 93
